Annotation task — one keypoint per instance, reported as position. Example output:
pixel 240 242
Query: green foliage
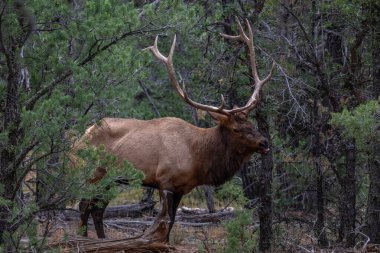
pixel 98 42
pixel 135 177
pixel 106 188
pixel 232 191
pixel 239 234
pixel 346 8
pixel 361 123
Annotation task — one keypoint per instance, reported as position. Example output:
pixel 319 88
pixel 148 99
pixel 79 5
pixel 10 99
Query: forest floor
pixel 194 232
pixel 186 236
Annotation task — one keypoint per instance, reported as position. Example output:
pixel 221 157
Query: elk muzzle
pixel 263 146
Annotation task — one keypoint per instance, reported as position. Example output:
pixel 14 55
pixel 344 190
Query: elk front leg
pixel 159 231
pixel 173 202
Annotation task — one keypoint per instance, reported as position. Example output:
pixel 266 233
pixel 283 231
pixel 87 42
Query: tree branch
pixel 30 103
pixel 150 99
pixel 99 50
pixel 299 24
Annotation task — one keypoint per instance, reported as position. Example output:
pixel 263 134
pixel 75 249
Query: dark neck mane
pixel 221 159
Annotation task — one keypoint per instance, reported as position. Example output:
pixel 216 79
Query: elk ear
pixel 221 118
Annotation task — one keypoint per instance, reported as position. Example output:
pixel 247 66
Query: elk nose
pixel 264 144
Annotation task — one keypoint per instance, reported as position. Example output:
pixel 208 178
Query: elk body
pixel 174 155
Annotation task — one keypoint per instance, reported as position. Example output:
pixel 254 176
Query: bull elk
pixel 174 155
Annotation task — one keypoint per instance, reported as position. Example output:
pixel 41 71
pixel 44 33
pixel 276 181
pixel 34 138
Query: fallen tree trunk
pixel 135 244
pixel 127 223
pixel 130 210
pixel 205 217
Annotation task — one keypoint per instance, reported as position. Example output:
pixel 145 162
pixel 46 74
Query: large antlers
pixel 252 57
pixel 168 61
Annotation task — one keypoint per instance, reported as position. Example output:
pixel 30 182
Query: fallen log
pixel 120 223
pixel 135 244
pixel 184 219
pixel 129 210
pixel 206 217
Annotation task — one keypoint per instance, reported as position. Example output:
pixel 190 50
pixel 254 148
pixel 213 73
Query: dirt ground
pixel 192 235
pixel 183 238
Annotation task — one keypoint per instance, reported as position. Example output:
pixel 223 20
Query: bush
pixel 240 237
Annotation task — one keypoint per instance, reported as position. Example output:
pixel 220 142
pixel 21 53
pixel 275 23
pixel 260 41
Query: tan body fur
pixel 173 154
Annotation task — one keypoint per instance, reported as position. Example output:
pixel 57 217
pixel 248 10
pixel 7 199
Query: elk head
pixel 234 122
pixel 243 135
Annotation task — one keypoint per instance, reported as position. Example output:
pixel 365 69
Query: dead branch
pixel 139 244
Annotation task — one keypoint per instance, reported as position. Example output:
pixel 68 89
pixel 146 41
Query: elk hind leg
pixel 85 210
pixel 159 230
pixel 97 212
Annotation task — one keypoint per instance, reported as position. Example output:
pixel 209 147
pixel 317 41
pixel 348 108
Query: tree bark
pixel 11 123
pixel 372 9
pixel 372 219
pixel 347 200
pixel 317 153
pixel 8 176
pixel 250 183
pixel 10 47
pixel 320 223
pixel 265 185
pixel 347 208
pixel 209 194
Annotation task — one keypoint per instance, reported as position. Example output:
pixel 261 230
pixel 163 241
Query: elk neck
pixel 218 156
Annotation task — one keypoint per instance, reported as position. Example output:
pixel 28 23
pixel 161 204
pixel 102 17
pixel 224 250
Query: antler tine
pixel 252 53
pixel 223 103
pixel 155 52
pixel 170 57
pixel 230 37
pixel 248 40
pixel 250 32
pixel 243 36
pixel 168 61
pixel 269 76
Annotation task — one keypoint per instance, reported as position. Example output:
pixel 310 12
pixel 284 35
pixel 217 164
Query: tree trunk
pixel 250 183
pixel 11 121
pixel 348 197
pixel 317 152
pixel 373 9
pixel 320 223
pixel 265 185
pixel 372 223
pixel 209 194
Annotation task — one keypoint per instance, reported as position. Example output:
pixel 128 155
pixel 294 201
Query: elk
pixel 174 155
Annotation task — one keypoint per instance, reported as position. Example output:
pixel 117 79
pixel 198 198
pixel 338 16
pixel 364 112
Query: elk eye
pixel 235 130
